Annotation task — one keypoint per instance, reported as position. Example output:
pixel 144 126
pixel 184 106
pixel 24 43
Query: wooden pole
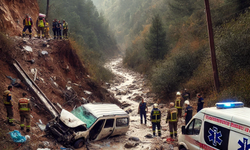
pixel 211 42
pixel 47 10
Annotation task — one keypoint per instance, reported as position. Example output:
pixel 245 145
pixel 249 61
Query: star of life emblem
pixel 214 136
pixel 244 144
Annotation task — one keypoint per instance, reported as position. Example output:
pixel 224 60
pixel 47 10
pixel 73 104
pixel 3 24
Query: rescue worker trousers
pixel 55 33
pixel 46 33
pixel 179 112
pixel 59 33
pixel 143 114
pixel 39 31
pixel 25 116
pixel 158 125
pixel 9 110
pixel 173 129
pixel 65 33
pixel 24 30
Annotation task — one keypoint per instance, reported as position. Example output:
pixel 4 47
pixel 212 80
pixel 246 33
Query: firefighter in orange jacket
pixel 8 105
pixel 28 23
pixel 25 109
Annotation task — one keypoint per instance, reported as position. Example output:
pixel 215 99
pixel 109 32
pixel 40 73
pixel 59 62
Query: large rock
pixel 131 144
pixel 125 104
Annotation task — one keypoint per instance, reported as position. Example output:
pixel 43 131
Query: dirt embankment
pixel 60 75
pixel 12 13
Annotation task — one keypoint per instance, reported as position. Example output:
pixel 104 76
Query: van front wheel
pixel 183 148
pixel 79 143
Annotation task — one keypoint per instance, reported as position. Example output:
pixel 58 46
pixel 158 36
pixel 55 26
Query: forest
pixel 167 41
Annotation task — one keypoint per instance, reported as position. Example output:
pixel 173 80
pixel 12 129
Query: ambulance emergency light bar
pixel 229 105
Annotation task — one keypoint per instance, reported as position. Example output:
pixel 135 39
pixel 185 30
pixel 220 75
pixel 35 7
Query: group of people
pixel 24 107
pixel 43 27
pixel 174 113
pixel 58 27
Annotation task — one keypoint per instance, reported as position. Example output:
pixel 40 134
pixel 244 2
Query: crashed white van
pixel 89 122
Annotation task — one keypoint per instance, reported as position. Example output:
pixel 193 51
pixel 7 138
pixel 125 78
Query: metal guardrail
pixel 48 104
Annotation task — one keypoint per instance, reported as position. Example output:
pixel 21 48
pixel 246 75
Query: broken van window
pixel 121 122
pixel 84 115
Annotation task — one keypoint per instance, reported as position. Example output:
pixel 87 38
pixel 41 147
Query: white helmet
pixel 155 105
pixel 187 102
pixel 178 93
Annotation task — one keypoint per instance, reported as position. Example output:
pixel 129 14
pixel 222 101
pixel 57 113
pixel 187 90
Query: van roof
pixel 100 110
pixel 239 115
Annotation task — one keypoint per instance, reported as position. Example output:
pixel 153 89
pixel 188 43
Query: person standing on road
pixel 185 95
pixel 179 103
pixel 188 112
pixel 8 105
pixel 25 109
pixel 200 102
pixel 142 109
pixel 54 28
pixel 28 23
pixel 172 119
pixel 156 119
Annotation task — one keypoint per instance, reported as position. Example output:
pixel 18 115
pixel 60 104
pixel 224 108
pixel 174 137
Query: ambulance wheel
pixel 79 143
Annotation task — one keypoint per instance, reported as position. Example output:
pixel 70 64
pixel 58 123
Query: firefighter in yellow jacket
pixel 28 24
pixel 8 105
pixel 172 119
pixel 46 29
pixel 40 26
pixel 25 109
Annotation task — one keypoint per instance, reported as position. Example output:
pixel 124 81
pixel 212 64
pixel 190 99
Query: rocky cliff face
pixel 12 13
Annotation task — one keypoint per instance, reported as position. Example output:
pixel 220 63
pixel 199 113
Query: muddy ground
pixel 126 86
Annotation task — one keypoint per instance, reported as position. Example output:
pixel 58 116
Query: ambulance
pixel 224 127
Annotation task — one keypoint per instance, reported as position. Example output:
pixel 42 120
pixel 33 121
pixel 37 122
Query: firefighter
pixel 188 112
pixel 25 109
pixel 28 24
pixel 143 109
pixel 8 105
pixel 65 30
pixel 46 29
pixel 186 95
pixel 172 119
pixel 156 119
pixel 40 23
pixel 59 30
pixel 200 102
pixel 54 28
pixel 179 103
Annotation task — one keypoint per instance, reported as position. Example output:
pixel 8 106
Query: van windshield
pixel 84 115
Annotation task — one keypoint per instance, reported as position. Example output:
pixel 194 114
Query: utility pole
pixel 47 10
pixel 211 42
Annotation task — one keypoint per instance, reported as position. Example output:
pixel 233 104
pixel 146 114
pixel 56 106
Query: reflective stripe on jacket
pixel 41 23
pixel 7 97
pixel 155 115
pixel 178 103
pixel 23 104
pixel 172 115
pixel 27 21
pixel 65 25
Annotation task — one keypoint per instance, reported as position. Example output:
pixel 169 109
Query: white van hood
pixel 70 120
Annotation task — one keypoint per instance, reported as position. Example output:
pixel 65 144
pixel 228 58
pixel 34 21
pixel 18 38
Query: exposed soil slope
pixel 12 13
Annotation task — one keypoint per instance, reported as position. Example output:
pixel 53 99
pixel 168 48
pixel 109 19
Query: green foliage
pixel 156 43
pixel 168 76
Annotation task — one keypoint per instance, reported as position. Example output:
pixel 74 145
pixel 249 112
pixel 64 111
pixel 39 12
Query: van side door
pixel 121 126
pixel 107 129
pixel 192 135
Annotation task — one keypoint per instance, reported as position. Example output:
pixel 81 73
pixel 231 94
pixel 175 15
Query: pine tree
pixel 156 43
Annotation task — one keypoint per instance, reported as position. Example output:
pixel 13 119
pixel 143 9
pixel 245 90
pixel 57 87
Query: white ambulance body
pixel 224 127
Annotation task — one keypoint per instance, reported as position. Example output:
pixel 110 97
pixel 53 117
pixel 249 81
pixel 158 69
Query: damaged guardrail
pixel 36 90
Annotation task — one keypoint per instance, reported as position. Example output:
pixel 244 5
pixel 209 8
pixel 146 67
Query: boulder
pixel 149 136
pixel 130 144
pixel 134 139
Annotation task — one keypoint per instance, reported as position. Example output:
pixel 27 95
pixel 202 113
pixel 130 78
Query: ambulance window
pixel 194 127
